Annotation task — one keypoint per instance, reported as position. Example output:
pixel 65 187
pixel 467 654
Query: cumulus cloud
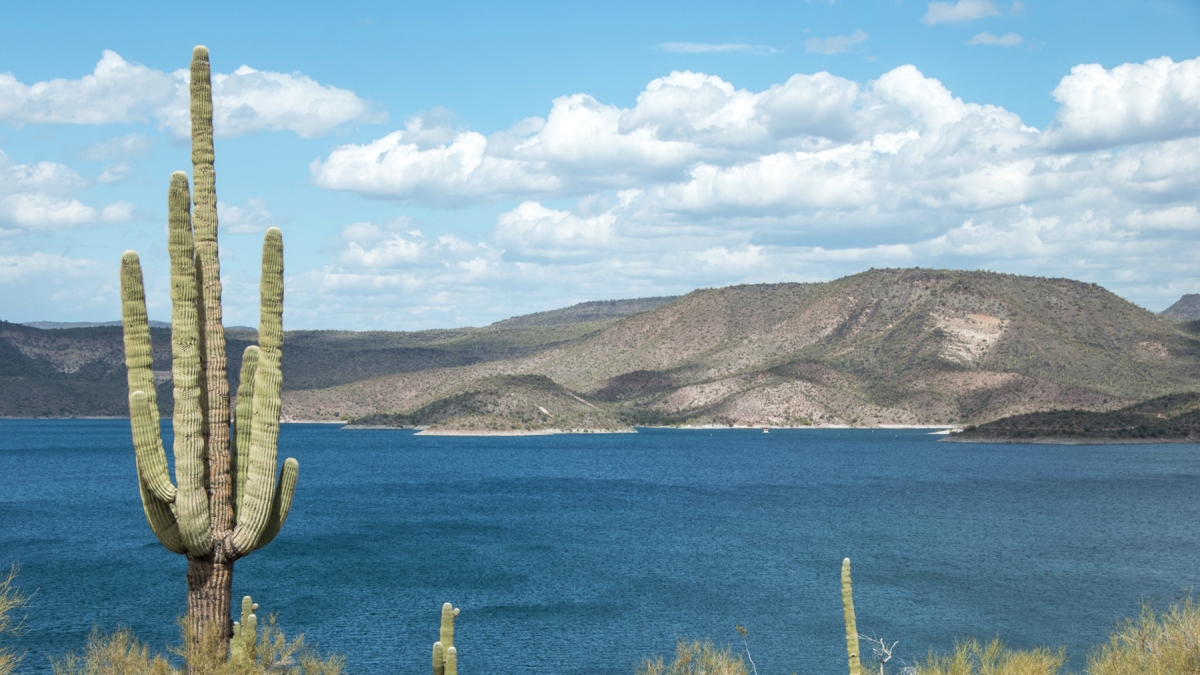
pixel 1131 103
pixel 252 218
pixel 836 44
pixel 1006 40
pixel 957 12
pixel 717 48
pixel 702 183
pixel 122 92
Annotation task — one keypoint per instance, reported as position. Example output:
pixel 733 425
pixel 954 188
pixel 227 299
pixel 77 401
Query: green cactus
pixel 851 626
pixel 226 501
pixel 245 634
pixel 445 656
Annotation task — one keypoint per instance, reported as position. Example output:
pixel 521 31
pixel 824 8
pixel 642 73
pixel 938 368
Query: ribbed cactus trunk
pixel 853 655
pixel 225 502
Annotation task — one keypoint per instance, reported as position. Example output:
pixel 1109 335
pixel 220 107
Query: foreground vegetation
pixel 1154 643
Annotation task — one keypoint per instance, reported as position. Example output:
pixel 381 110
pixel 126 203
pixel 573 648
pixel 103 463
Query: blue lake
pixel 583 554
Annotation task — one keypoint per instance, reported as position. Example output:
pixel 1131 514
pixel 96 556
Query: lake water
pixel 583 554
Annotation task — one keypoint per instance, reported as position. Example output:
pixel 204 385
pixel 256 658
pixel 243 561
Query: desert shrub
pixel 121 653
pixel 1152 644
pixel 970 657
pixel 698 657
pixel 11 600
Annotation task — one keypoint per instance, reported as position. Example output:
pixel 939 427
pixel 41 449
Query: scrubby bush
pixel 970 657
pixel 698 657
pixel 1152 644
pixel 121 653
pixel 11 600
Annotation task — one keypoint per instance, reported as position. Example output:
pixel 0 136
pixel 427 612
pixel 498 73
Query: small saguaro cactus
pixel 226 501
pixel 445 656
pixel 245 633
pixel 851 625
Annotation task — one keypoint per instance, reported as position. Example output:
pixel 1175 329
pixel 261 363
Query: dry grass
pixel 1152 644
pixel 121 653
pixel 970 657
pixel 698 657
pixel 11 600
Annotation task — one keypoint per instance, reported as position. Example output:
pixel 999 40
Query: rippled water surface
pixel 583 554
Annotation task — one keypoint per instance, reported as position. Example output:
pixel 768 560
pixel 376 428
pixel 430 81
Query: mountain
pixel 896 346
pixel 905 346
pixel 1186 308
pixel 78 370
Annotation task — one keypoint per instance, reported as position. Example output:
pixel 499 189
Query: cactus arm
pixel 215 398
pixel 851 625
pixel 281 503
pixel 439 659
pixel 146 438
pixel 239 449
pixel 446 632
pixel 268 382
pixel 191 503
pixel 139 359
pixel 451 661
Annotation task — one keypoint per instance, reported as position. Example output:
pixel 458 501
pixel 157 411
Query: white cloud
pixel 534 229
pixel 1006 40
pixel 836 44
pixel 118 212
pixel 956 12
pixel 1183 218
pixel 41 211
pixel 114 173
pixel 47 177
pixel 252 218
pixel 700 183
pixel 717 48
pixel 16 268
pixel 122 92
pixel 1131 103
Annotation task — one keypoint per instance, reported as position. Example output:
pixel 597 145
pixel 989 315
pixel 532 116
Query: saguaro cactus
pixel 226 501
pixel 445 656
pixel 851 625
pixel 245 633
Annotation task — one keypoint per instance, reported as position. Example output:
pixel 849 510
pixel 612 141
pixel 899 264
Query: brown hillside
pixel 883 346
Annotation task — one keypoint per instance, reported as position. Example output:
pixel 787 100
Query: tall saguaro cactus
pixel 851 625
pixel 445 656
pixel 226 501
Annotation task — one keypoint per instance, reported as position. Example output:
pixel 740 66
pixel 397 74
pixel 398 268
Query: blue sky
pixel 454 164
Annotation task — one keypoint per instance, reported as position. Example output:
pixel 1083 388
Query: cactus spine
pixel 225 502
pixel 445 656
pixel 851 626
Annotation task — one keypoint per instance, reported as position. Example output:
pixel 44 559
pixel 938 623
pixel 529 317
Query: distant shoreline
pixel 1061 440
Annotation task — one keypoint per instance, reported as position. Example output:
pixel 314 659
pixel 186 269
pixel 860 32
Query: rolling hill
pixel 895 346
pixel 905 346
